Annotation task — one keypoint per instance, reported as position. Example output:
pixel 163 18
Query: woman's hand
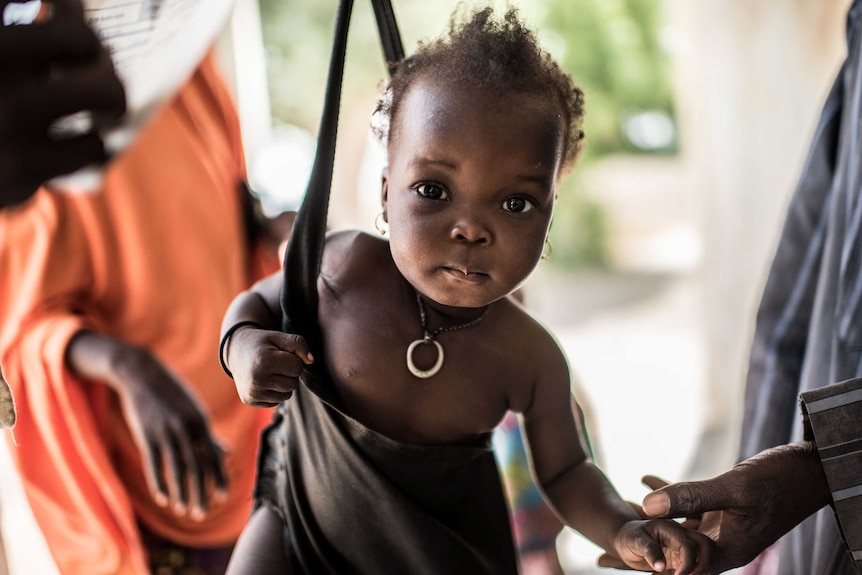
pixel 182 461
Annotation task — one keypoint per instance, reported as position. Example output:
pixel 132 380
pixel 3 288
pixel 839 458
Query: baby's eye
pixel 518 205
pixel 432 191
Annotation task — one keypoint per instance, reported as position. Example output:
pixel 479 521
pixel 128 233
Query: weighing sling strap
pixel 353 500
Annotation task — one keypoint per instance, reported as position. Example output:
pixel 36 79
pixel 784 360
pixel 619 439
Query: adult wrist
pixel 103 359
pixel 813 468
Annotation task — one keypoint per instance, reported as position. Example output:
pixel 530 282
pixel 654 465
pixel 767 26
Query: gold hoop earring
pixel 380 224
pixel 547 255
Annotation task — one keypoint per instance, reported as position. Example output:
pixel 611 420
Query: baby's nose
pixel 472 230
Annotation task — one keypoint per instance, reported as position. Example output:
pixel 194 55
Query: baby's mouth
pixel 464 273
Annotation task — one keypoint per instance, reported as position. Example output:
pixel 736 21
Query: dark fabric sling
pixel 353 500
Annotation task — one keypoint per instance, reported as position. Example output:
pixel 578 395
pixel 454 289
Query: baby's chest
pixel 370 365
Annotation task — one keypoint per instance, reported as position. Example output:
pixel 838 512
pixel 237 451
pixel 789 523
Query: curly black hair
pixel 502 56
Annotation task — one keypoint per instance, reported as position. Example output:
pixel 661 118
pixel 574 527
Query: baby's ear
pixel 384 191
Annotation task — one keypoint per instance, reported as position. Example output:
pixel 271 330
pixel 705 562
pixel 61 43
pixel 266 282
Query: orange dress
pixel 154 259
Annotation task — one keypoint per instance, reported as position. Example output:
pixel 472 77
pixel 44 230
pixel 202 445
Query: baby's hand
pixel 664 546
pixel 266 364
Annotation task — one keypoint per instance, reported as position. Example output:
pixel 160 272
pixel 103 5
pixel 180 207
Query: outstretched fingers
pixel 152 456
pixel 184 468
pixel 204 462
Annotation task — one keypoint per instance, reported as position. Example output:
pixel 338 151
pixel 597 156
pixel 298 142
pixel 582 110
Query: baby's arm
pixel 264 361
pixel 582 495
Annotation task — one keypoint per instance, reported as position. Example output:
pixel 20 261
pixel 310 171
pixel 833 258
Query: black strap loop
pixel 305 247
pixel 390 38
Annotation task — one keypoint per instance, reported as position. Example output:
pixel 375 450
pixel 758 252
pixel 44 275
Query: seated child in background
pixel 386 467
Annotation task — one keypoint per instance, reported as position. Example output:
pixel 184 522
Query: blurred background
pixel 699 114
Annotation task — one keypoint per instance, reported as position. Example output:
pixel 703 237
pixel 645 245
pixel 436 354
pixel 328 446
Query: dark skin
pixel 183 462
pixel 48 70
pixel 468 195
pixel 746 509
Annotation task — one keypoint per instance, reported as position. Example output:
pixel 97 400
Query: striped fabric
pixel 809 323
pixel 832 417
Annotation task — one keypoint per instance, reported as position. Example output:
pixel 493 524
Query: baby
pixel 380 461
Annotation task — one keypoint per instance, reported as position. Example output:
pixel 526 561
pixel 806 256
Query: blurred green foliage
pixel 614 49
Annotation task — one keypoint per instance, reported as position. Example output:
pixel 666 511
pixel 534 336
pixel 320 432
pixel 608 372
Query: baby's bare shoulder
pixel 527 338
pixel 350 254
pixel 526 327
pixel 538 352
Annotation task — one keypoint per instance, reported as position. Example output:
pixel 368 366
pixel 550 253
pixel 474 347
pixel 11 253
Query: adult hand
pixel 50 69
pixel 182 461
pixel 181 457
pixel 266 364
pixel 756 502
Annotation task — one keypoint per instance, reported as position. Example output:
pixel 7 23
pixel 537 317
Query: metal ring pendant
pixel 423 374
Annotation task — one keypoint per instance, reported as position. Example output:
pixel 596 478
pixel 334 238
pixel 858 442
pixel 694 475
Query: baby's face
pixel 470 190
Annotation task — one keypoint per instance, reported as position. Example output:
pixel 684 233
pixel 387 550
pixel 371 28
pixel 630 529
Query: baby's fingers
pixel 640 545
pixel 707 554
pixel 272 379
pixel 265 397
pixel 679 546
pixel 686 552
pixel 611 561
pixel 292 343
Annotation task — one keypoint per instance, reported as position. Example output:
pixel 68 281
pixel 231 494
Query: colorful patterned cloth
pixel 535 526
pixel 169 558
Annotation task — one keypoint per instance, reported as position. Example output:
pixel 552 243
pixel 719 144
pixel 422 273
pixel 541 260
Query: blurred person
pixel 806 349
pixel 809 324
pixel 133 449
pixel 7 420
pixel 50 70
